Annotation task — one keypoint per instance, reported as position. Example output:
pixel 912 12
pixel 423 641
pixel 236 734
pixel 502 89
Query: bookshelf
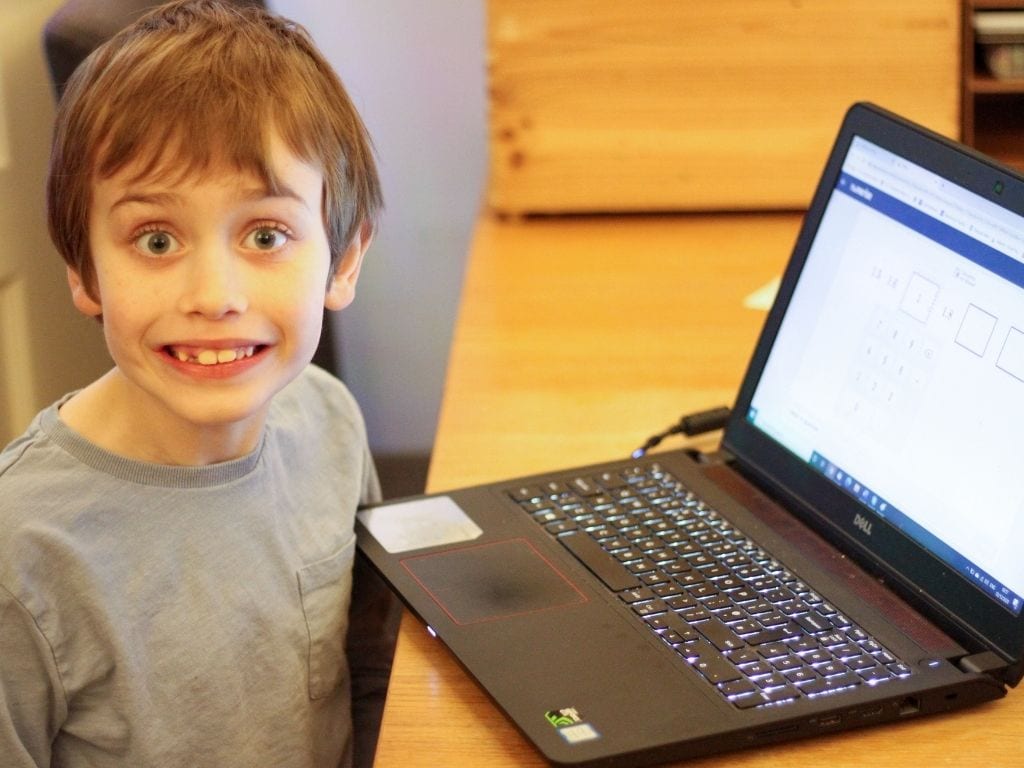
pixel 992 108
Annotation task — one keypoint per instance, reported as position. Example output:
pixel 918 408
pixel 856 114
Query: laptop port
pixel 909 706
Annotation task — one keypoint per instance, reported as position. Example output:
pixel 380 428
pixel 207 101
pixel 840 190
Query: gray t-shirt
pixel 157 615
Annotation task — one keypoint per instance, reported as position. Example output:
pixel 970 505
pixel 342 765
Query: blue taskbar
pixel 883 509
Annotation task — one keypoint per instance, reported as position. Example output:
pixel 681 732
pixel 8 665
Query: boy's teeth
pixel 214 356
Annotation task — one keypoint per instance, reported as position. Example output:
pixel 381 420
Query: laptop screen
pixel 897 372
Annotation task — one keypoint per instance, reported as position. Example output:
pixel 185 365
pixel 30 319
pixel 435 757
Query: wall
pixel 416 73
pixel 46 347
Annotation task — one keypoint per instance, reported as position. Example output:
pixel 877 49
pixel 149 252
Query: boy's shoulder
pixel 39 482
pixel 31 456
pixel 314 402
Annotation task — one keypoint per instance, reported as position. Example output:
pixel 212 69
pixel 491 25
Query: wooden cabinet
pixel 608 106
pixel 992 110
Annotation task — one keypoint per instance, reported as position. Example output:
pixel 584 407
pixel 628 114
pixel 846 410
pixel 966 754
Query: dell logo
pixel 863 523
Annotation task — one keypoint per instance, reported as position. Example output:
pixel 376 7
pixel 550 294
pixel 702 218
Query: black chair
pixel 76 29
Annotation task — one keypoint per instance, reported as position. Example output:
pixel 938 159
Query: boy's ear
pixel 80 296
pixel 341 289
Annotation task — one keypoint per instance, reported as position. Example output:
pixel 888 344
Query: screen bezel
pixel 935 585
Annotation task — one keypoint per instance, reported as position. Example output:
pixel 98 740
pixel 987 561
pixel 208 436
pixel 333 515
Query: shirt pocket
pixel 325 588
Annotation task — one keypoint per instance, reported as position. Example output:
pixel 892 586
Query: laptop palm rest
pixel 492 581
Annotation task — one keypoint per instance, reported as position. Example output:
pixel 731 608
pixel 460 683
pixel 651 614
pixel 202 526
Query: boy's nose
pixel 215 286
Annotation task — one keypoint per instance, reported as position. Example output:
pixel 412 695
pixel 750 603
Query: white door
pixel 46 348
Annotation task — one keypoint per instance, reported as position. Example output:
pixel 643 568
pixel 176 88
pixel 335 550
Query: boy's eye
pixel 266 239
pixel 156 243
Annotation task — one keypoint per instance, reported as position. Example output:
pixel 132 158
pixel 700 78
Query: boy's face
pixel 211 289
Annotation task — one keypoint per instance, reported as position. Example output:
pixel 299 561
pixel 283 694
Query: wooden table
pixel 576 339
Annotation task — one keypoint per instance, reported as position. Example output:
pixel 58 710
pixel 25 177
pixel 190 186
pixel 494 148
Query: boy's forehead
pixel 271 170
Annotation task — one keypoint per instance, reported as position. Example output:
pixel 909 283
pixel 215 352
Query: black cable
pixel 690 425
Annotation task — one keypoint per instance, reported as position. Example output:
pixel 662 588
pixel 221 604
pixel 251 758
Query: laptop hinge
pixel 986 662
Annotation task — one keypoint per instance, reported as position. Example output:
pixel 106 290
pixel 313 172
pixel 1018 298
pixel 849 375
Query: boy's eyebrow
pixel 151 198
pixel 250 194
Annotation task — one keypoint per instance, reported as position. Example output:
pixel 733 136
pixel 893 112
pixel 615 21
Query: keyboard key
pixel 787 663
pixel 636 595
pixel 730 614
pixel 560 526
pixel 805 644
pixel 668 589
pixel 533 507
pixel 773 650
pixel 813 622
pixel 749 700
pixel 676 567
pixel 743 595
pixel 801 675
pixel 759 607
pixel 641 566
pixel 737 687
pixel 859 663
pixel 830 684
pixel 832 639
pixel 610 480
pixel 899 669
pixel 585 486
pixel 875 674
pixel 589 552
pixel 723 638
pixel 652 579
pixel 772 680
pixel 782 693
pixel 830 668
pixel 756 668
pixel 845 651
pixel 555 488
pixel 649 608
pixel 680 602
pixel 526 493
pixel 819 656
pixel 696 613
pixel 715 667
pixel 721 605
pixel 745 627
pixel 767 636
pixel 744 656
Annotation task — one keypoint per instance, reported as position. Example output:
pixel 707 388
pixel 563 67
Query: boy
pixel 176 539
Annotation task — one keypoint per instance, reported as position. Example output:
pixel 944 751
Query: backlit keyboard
pixel 740 618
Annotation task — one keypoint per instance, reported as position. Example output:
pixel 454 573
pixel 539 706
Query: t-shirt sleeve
pixel 32 703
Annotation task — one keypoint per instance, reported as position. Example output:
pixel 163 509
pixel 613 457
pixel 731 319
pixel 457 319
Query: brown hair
pixel 196 82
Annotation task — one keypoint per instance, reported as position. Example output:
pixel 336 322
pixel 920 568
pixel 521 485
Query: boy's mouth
pixel 201 356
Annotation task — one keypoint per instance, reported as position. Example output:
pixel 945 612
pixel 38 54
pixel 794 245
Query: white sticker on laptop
pixel 418 524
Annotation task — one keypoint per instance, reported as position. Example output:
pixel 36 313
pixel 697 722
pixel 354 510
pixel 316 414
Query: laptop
pixel 849 555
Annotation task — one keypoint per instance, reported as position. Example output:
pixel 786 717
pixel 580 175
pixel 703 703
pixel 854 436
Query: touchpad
pixel 492 581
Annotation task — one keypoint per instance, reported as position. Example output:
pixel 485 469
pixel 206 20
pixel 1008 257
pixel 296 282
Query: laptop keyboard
pixel 740 618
